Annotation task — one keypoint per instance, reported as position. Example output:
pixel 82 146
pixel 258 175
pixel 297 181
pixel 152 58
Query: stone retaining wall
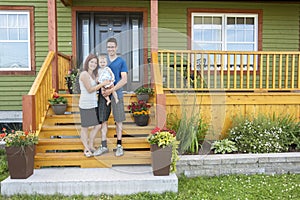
pixel 225 164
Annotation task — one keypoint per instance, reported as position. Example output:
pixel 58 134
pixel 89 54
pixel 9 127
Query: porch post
pixel 29 115
pixel 52 40
pixel 154 25
pixel 156 81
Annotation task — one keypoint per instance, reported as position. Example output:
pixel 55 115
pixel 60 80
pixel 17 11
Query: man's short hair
pixel 114 40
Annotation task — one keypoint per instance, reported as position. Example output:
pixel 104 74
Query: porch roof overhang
pixel 67 2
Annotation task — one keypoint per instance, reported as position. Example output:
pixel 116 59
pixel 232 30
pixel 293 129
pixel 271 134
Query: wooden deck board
pixel 60 144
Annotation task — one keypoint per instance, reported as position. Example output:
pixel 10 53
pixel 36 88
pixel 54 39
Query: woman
pixel 88 105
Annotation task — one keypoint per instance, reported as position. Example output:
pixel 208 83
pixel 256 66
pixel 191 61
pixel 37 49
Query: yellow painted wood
pixel 60 144
pixel 78 159
pixel 218 109
pixel 268 71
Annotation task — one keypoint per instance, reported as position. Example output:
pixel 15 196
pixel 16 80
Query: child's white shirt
pixel 106 74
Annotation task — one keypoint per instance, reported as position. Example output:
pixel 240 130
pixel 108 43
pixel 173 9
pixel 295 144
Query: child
pixel 105 73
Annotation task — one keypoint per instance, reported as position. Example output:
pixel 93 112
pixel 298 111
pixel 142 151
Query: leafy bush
pixel 3 165
pixel 265 134
pixel 224 146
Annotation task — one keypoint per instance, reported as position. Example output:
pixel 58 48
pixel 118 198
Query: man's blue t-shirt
pixel 117 66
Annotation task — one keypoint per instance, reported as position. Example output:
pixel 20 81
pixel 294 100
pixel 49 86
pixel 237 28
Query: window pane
pixel 23 21
pixel 217 20
pixel 3 20
pixel 250 20
pixel 12 21
pixel 14 55
pixel 226 32
pixel 230 20
pixel 207 35
pixel 207 20
pixel 135 53
pixel 13 34
pixel 240 47
pixel 3 34
pixel 240 20
pixel 239 36
pixel 230 35
pixel 197 20
pixel 217 35
pixel 23 34
pixel 210 47
pixel 85 38
pixel 249 36
pixel 197 34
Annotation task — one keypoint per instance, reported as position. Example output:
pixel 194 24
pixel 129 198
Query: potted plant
pixel 164 151
pixel 58 104
pixel 20 151
pixel 140 111
pixel 143 93
pixel 72 81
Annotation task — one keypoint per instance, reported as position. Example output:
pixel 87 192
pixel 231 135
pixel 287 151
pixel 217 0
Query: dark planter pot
pixel 70 87
pixel 20 161
pixel 59 109
pixel 160 160
pixel 144 97
pixel 141 120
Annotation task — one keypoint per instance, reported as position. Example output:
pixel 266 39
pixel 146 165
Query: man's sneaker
pixel 119 150
pixel 100 151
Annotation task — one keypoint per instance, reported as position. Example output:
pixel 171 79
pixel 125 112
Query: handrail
pixel 35 103
pixel 230 70
pixel 160 97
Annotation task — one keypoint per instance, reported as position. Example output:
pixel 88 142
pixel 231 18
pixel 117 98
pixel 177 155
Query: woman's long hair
pixel 86 63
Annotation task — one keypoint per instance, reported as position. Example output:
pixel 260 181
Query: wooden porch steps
pixel 60 145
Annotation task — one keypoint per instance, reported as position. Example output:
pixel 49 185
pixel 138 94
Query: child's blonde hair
pixel 102 57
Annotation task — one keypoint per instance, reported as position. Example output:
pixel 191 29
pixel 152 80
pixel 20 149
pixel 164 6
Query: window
pixel 224 32
pixel 15 41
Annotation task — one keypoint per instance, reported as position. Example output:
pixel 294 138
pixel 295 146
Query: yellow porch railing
pixel 229 70
pixel 35 103
pixel 64 65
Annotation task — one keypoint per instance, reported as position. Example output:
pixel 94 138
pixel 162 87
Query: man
pixel 120 70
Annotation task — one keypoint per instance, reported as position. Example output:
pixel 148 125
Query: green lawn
pixel 231 187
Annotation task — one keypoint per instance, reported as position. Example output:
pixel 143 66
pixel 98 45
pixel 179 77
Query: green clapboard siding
pixel 280 23
pixel 280 31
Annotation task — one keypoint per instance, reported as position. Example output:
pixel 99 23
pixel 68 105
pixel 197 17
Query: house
pixel 225 58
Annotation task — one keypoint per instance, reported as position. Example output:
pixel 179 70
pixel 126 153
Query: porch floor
pixel 118 180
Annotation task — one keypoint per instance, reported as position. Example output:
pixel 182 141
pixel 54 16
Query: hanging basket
pixel 20 161
pixel 141 120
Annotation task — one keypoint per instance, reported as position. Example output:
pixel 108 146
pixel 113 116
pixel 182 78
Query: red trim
pixel 32 40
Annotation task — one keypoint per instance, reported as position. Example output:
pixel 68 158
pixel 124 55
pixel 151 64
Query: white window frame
pixel 223 43
pixel 14 66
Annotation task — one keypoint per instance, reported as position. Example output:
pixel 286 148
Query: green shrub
pixel 223 146
pixel 3 165
pixel 265 134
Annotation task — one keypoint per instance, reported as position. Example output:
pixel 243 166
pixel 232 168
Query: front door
pixel 94 28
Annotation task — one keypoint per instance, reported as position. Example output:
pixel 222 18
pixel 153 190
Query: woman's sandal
pixel 87 154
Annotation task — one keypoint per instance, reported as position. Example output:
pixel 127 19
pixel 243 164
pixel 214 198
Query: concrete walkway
pixel 119 180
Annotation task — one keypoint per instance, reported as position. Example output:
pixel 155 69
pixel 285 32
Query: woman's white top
pixel 87 100
pixel 106 74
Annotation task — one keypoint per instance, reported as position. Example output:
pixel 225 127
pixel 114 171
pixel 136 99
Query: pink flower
pixel 155 130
